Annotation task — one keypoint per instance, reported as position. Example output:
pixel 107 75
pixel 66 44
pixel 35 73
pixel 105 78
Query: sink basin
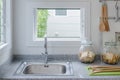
pixel 45 69
pixel 37 68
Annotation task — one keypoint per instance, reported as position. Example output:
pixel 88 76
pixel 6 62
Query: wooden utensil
pixel 106 18
pixel 102 24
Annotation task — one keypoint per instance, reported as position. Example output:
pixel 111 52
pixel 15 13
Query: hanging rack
pixel 108 0
pixel 116 18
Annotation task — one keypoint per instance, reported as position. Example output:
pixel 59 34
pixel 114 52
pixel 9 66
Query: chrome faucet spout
pixel 45 46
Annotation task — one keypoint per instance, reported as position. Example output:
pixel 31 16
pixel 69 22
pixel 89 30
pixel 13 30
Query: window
pixel 68 26
pixel 63 21
pixel 2 21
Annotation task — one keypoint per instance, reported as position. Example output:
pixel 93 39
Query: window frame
pixel 32 6
pixel 3 40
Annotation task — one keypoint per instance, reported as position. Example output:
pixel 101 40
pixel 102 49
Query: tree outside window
pixel 42 16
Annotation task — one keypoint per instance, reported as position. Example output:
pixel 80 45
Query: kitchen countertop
pixel 7 72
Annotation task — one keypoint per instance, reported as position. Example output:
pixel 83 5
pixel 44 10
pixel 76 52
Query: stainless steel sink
pixel 45 69
pixel 37 68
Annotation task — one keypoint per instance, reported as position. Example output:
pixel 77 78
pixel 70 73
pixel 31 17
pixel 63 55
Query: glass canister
pixel 86 52
pixel 110 53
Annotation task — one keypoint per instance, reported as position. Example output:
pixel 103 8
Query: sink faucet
pixel 45 46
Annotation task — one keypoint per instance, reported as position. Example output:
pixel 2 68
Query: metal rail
pixel 108 0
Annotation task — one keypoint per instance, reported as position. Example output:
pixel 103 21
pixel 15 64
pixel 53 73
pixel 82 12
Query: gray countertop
pixel 7 72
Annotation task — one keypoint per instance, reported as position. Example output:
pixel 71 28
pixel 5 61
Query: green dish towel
pixel 103 73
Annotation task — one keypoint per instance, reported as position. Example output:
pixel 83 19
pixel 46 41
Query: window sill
pixel 58 39
pixel 2 45
pixel 55 42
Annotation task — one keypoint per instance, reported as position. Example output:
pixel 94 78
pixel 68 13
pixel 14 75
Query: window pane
pixel 67 26
pixel 1 29
pixel 2 21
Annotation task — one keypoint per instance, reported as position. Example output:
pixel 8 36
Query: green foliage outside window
pixel 42 16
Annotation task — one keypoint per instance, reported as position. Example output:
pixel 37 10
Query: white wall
pixel 6 50
pixel 19 31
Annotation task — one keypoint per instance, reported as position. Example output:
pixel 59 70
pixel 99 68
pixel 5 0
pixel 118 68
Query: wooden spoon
pixel 102 24
pixel 106 18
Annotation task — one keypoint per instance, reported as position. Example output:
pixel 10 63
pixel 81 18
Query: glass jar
pixel 86 52
pixel 110 53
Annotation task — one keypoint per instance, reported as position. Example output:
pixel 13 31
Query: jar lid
pixel 86 42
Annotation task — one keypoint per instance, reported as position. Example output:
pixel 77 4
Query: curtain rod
pixel 108 0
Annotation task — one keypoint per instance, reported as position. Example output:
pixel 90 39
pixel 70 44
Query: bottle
pixel 86 52
pixel 110 53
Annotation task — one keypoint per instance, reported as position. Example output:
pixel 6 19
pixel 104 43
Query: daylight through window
pixel 2 17
pixel 59 23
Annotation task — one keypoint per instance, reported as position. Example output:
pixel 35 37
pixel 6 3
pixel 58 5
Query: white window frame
pixel 30 22
pixel 3 41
